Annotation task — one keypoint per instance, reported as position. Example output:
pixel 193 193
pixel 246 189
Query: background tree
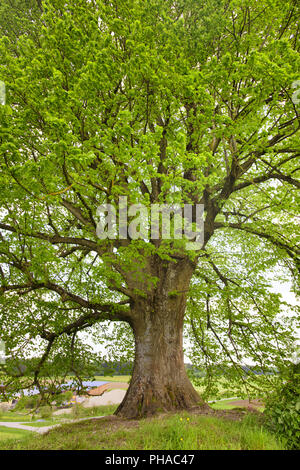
pixel 163 102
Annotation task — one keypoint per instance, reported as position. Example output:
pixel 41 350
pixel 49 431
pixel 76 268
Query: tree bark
pixel 159 381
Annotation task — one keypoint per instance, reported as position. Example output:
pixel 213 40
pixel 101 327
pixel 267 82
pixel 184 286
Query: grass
pixel 224 391
pixel 223 405
pixel 10 434
pixel 230 405
pixel 7 434
pixel 177 432
pixel 181 431
pixel 10 416
pixel 78 411
pixel 116 378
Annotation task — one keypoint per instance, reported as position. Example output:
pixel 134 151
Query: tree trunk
pixel 159 381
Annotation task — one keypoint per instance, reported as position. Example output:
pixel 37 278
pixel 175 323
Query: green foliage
pixel 45 411
pixel 27 402
pixel 63 397
pixel 283 409
pixel 78 411
pixel 161 102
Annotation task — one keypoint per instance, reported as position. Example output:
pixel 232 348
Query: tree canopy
pixel 159 101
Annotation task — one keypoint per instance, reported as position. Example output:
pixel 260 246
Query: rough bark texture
pixel 159 380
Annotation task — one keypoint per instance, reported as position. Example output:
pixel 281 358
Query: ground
pixel 209 430
pixel 227 424
pixel 108 386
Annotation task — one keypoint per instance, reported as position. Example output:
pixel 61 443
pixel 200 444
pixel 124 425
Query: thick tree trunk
pixel 159 381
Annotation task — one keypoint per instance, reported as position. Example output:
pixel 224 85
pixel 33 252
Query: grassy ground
pixel 223 405
pixel 181 431
pixel 224 389
pixel 10 434
pixel 227 405
pixel 116 378
pixel 15 417
pixel 78 411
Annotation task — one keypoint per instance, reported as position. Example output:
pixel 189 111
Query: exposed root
pixel 141 401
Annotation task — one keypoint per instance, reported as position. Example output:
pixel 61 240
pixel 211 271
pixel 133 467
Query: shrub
pixel 282 410
pixel 45 412
pixel 28 403
pixel 78 411
pixel 63 397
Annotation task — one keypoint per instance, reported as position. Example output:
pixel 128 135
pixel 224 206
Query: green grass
pixel 115 378
pixel 78 411
pixel 15 417
pixel 180 431
pixel 8 434
pixel 223 405
pixel 230 405
pixel 173 433
pixel 223 389
pixel 48 422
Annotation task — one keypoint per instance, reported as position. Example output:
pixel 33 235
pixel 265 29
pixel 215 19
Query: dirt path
pixel 16 425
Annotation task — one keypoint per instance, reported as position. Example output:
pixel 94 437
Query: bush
pixel 45 412
pixel 61 398
pixel 282 410
pixel 78 411
pixel 28 403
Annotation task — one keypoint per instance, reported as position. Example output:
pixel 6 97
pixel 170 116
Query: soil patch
pixel 111 397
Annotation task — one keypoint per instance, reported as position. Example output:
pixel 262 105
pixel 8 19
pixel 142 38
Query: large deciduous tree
pixel 161 101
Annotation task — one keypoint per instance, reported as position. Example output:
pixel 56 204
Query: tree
pixel 175 102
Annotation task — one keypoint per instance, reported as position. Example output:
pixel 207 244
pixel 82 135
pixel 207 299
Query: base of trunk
pixel 147 397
